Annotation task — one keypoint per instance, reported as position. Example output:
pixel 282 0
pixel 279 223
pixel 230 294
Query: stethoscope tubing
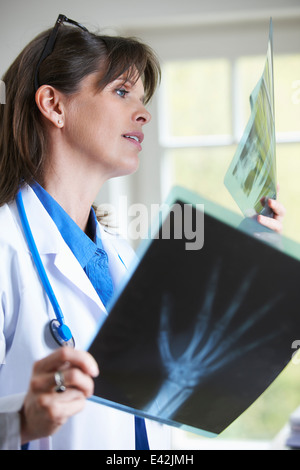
pixel 37 259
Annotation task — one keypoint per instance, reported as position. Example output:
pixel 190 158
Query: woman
pixel 73 118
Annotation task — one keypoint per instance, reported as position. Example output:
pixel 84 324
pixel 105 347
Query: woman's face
pixel 106 128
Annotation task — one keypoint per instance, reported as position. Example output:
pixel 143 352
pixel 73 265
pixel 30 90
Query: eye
pixel 122 92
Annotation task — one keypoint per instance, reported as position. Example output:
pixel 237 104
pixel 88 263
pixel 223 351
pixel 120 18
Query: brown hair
pixel 76 54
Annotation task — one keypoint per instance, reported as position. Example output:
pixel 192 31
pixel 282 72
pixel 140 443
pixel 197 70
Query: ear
pixel 50 103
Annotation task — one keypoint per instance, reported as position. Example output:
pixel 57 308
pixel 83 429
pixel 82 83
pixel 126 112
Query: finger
pixel 74 358
pixel 73 378
pixel 271 223
pixel 76 379
pixel 278 209
pixel 71 394
pixel 57 408
pixel 69 402
pixel 64 405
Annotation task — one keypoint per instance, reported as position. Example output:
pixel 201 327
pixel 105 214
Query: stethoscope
pixel 59 330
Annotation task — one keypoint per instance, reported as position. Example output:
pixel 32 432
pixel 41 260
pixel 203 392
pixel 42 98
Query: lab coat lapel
pixel 49 242
pixel 68 265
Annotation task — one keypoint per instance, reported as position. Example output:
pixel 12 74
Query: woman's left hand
pixel 275 223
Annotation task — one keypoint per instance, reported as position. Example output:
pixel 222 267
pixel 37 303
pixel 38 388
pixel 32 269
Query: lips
pixel 135 137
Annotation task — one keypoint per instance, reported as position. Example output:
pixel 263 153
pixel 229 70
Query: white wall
pixel 21 20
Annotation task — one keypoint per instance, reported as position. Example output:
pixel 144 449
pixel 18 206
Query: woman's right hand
pixel 44 410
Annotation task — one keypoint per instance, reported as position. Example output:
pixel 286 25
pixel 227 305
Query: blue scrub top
pixel 88 251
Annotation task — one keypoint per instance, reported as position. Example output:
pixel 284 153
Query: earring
pixel 59 121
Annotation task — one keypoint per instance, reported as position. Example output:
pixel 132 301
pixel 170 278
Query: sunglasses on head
pixel 48 49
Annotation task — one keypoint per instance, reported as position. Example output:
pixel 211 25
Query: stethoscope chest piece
pixel 61 334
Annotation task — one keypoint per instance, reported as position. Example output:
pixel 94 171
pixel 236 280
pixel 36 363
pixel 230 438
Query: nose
pixel 142 115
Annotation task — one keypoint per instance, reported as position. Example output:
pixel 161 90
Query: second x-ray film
pixel 194 337
pixel 251 177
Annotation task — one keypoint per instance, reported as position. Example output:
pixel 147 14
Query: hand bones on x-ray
pixel 210 347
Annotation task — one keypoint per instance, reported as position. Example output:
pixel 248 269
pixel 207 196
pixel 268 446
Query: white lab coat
pixel 25 312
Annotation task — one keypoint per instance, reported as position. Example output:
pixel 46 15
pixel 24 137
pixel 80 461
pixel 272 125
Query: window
pixel 204 109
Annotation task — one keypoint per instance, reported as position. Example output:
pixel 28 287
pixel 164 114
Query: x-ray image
pixel 209 348
pixel 251 176
pixel 196 336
